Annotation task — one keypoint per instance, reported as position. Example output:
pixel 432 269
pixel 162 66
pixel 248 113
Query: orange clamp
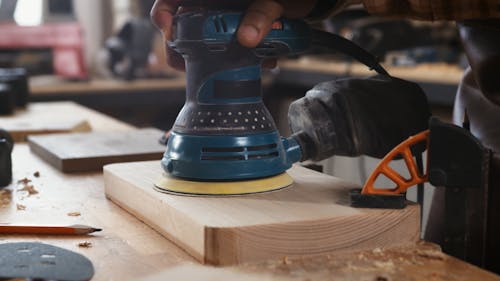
pixel 402 184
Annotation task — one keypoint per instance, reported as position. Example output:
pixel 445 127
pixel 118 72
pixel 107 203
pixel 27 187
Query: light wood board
pixel 85 152
pixel 37 120
pixel 310 217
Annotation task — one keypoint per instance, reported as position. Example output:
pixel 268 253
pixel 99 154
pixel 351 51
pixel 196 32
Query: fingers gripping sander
pixel 224 131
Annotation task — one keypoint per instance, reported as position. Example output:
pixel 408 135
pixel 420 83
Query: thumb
pixel 258 21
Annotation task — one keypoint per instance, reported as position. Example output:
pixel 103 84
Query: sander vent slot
pixel 224 158
pixel 240 153
pixel 220 24
pixel 223 149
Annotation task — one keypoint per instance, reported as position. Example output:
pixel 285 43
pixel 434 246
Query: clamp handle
pixel 402 184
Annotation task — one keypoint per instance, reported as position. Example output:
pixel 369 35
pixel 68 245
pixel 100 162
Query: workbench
pixel 127 249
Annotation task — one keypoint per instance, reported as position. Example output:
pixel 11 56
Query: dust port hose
pixel 334 42
pixel 294 150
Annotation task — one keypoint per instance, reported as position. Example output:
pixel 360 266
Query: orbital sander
pixel 224 140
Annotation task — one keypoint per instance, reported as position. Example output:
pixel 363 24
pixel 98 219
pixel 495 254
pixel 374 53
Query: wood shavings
pixel 385 265
pixel 36 174
pixel 30 189
pixel 431 254
pixel 26 186
pixel 20 207
pixel 74 214
pixel 85 244
pixel 286 260
pixel 5 197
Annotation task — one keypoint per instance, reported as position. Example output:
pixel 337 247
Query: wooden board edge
pixel 94 164
pixel 82 127
pixel 23 136
pixel 405 230
pixel 109 177
pixel 45 154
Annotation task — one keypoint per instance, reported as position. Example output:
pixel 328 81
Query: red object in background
pixel 65 39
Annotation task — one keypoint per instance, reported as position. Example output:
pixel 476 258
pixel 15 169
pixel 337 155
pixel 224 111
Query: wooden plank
pixel 32 121
pixel 57 117
pixel 86 152
pixel 311 217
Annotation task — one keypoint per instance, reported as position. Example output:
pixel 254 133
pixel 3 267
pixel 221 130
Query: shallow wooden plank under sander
pixel 312 216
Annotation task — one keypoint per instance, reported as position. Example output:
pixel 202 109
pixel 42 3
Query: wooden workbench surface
pixel 127 249
pixel 51 85
pixel 439 73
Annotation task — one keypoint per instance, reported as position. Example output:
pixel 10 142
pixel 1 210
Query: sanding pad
pixel 169 184
pixel 37 261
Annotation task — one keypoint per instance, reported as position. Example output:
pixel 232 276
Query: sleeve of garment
pixel 327 8
pixel 414 9
pixel 435 9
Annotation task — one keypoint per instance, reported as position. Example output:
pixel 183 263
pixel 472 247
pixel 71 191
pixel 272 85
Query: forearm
pixel 423 9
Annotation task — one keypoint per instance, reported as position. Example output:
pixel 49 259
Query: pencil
pixel 47 230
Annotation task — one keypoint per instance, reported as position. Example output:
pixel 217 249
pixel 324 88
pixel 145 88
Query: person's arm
pixel 426 9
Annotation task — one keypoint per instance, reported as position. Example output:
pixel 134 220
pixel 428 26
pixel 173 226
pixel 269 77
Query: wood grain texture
pixel 422 261
pixel 310 217
pixel 85 152
pixel 55 117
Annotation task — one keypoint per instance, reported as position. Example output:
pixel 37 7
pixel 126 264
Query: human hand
pixel 259 17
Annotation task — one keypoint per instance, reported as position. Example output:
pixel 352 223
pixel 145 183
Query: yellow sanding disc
pixel 169 184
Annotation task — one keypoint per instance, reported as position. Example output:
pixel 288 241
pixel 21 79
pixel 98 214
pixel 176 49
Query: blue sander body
pixel 224 131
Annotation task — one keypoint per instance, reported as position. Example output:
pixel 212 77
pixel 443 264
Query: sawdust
pixel 74 214
pixel 5 197
pixel 286 260
pixel 24 181
pixel 27 186
pixel 431 254
pixel 379 264
pixel 385 265
pixel 20 207
pixel 30 189
pixel 85 244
